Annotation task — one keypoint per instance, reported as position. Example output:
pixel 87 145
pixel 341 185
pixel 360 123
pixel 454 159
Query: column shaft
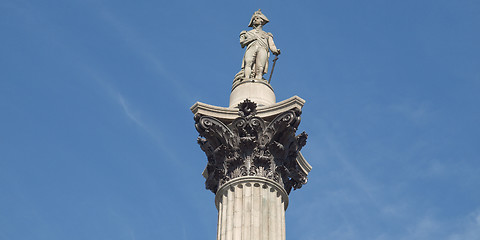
pixel 251 208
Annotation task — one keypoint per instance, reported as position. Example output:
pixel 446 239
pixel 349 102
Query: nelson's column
pixel 253 151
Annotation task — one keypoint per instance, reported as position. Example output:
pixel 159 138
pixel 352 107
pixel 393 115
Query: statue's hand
pixel 277 52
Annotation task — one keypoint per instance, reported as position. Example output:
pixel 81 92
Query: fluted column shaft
pixel 251 208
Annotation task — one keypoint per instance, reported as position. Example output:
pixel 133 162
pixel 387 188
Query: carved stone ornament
pixel 252 146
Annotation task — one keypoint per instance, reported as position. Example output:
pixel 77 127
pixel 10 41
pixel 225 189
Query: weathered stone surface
pixel 227 115
pixel 251 208
pixel 253 146
pixel 258 91
pixel 258 45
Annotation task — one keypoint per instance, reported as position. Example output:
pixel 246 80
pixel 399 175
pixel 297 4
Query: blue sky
pixel 97 140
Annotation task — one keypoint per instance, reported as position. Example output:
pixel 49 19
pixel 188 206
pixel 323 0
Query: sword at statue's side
pixel 273 67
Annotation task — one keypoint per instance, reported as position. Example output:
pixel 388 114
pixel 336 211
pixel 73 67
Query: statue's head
pixel 258 19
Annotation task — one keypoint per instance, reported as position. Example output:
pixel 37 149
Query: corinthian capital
pixel 252 146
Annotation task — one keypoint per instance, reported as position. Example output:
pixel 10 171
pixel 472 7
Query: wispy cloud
pixel 134 115
pixel 132 235
pixel 132 112
pixel 121 221
pixel 356 177
pixel 145 50
pixel 423 229
pixel 128 111
pixel 470 229
pixel 417 113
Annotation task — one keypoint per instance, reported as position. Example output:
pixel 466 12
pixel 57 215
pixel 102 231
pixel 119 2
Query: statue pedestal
pixel 256 90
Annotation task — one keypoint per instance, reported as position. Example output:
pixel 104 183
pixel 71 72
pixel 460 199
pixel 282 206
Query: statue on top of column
pixel 259 44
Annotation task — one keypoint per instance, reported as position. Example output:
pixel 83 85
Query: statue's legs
pixel 261 61
pixel 250 56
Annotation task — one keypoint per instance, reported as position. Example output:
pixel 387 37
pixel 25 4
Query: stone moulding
pixel 302 162
pixel 250 145
pixel 260 81
pixel 227 115
pixel 255 181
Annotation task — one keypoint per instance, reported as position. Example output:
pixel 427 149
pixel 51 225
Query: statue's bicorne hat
pixel 258 14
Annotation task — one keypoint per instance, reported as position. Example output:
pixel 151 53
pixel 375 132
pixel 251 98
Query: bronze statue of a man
pixel 259 44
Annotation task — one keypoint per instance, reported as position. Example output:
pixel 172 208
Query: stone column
pixel 254 161
pixel 251 208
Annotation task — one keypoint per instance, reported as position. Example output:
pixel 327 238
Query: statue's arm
pixel 272 46
pixel 245 39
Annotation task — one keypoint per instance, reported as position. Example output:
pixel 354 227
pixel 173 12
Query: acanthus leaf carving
pixel 251 146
